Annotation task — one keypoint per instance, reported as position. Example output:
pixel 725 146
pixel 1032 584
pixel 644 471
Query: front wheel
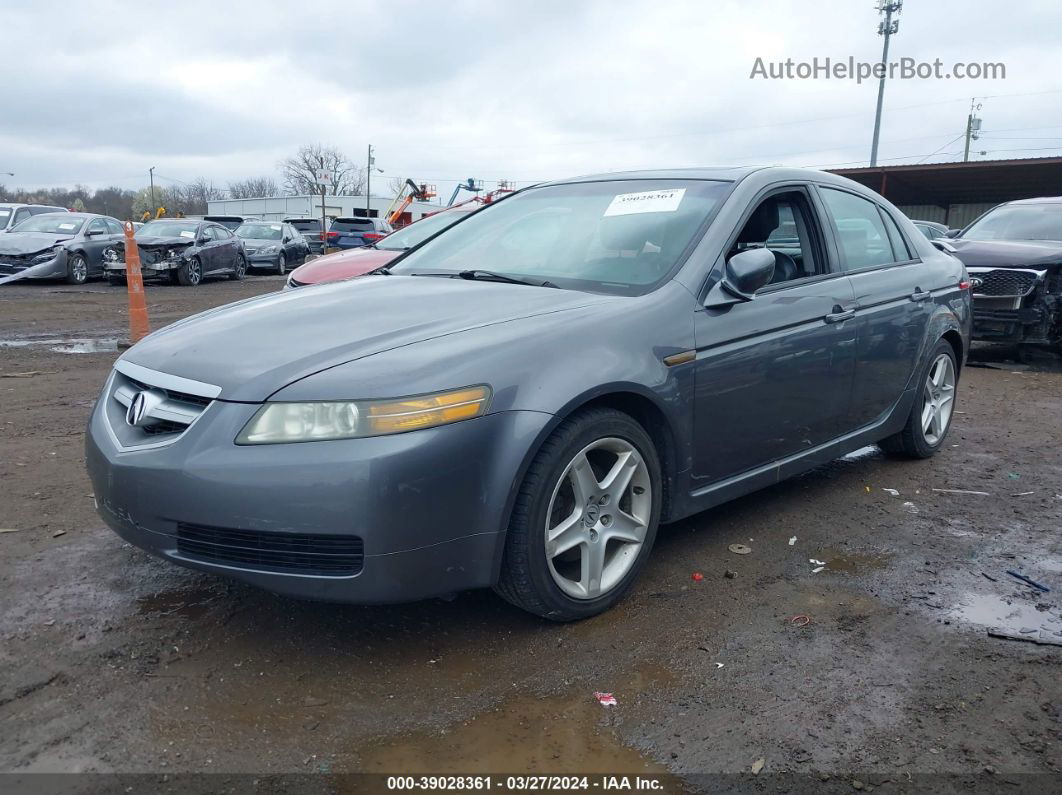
pixel 282 264
pixel 930 417
pixel 190 273
pixel 585 518
pixel 76 269
pixel 115 280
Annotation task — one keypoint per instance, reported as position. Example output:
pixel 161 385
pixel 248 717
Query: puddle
pixel 65 345
pixel 527 734
pixel 856 564
pixel 188 604
pixel 988 610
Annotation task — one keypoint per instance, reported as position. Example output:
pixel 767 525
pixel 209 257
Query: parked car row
pixel 59 245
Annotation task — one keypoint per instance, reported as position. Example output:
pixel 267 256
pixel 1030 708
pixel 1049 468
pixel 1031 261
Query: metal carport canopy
pixel 945 184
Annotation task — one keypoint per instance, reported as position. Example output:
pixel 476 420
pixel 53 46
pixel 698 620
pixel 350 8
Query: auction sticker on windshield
pixel 67 226
pixel 186 233
pixel 650 201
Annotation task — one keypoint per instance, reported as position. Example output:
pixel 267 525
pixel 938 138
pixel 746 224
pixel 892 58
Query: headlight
pixel 110 254
pixel 46 256
pixel 268 250
pixel 277 423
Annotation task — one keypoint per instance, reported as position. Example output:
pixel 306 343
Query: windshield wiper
pixel 492 276
pixel 383 270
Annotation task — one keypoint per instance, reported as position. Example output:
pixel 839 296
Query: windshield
pixel 260 231
pixel 168 229
pixel 307 226
pixel 5 215
pixel 53 224
pixel 620 237
pixel 418 232
pixel 1018 222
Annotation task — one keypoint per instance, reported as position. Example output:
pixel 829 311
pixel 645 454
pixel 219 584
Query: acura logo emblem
pixel 141 408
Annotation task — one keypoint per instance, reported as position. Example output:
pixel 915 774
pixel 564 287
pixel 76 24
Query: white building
pixel 274 208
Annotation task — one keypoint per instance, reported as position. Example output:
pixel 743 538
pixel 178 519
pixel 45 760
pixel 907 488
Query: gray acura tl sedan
pixel 521 400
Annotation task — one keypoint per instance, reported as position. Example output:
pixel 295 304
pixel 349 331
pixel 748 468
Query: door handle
pixel 920 295
pixel 841 316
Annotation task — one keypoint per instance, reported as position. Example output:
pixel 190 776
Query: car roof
pixel 720 173
pixel 1040 200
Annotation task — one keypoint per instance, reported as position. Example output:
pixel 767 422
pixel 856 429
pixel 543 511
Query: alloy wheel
pixel 78 270
pixel 195 272
pixel 939 399
pixel 598 518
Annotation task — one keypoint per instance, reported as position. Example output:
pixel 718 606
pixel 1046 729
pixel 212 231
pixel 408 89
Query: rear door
pixel 208 250
pixel 228 247
pixel 892 299
pixel 774 374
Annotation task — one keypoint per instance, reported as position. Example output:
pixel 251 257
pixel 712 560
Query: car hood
pixel 1007 253
pixel 30 242
pixel 255 347
pixel 344 265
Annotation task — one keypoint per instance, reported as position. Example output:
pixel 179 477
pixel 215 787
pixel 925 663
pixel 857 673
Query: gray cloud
pixel 518 90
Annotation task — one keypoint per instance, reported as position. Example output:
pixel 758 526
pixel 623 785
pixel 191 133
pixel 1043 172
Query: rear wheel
pixel 282 264
pixel 239 272
pixel 585 518
pixel 930 418
pixel 190 274
pixel 76 269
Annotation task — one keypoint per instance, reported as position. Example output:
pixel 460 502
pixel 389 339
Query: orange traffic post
pixel 138 316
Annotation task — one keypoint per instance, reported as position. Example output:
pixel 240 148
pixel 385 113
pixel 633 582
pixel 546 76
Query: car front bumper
pixel 54 268
pixel 427 509
pixel 263 260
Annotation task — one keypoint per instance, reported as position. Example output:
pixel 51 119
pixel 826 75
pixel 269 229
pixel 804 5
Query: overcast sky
pixel 96 92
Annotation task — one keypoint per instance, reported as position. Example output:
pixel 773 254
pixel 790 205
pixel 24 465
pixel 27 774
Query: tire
pixel 557 586
pixel 190 274
pixel 76 268
pixel 282 264
pixel 240 272
pixel 926 430
pixel 114 280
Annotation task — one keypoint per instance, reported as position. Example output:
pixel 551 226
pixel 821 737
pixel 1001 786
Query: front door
pixel 774 374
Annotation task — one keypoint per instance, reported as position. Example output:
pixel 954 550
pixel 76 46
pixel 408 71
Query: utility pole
pixel 324 225
pixel 973 128
pixel 371 161
pixel 151 176
pixel 886 28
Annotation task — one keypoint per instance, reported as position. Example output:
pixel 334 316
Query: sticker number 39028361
pixel 650 201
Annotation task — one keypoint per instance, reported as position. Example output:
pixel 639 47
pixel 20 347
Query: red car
pixel 359 261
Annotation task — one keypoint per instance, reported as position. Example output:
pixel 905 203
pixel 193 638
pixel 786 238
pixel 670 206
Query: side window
pixel 114 227
pixel 97 227
pixel 221 233
pixel 21 214
pixel 782 223
pixel 861 231
pixel 899 245
pixel 208 234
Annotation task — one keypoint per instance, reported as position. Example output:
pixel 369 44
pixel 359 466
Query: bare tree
pixel 299 172
pixel 396 185
pixel 253 188
pixel 197 193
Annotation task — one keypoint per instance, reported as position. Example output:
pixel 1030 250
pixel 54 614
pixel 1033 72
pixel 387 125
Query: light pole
pixel 370 162
pixel 886 29
pixel 151 176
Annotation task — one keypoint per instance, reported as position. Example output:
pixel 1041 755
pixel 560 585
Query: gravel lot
pixel 113 661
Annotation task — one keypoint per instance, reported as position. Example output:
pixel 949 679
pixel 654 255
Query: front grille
pixel 291 553
pixel 167 412
pixel 1006 282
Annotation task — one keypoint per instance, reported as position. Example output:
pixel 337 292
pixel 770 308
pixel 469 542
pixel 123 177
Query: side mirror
pixel 952 233
pixel 748 271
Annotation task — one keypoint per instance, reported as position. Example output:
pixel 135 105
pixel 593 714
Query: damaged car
pixel 1013 254
pixel 58 245
pixel 181 250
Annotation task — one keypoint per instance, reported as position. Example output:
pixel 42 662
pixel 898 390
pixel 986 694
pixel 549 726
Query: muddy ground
pixel 113 661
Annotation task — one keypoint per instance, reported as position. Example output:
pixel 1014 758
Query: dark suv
pixel 357 231
pixel 1014 256
pixel 311 231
